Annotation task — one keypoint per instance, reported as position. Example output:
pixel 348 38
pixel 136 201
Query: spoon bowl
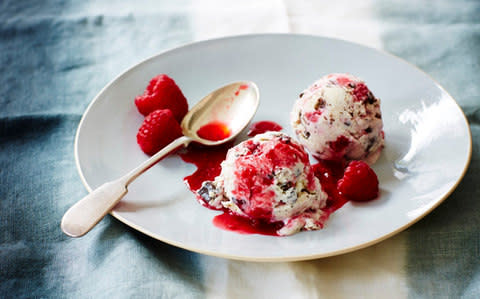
pixel 231 106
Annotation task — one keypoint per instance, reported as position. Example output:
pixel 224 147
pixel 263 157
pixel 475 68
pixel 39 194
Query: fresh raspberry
pixel 162 93
pixel 159 128
pixel 360 92
pixel 359 182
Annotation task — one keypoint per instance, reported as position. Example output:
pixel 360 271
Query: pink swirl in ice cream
pixel 337 118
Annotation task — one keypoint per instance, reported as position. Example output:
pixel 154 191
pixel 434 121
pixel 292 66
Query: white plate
pixel 428 142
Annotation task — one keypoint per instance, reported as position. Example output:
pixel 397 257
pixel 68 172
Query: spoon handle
pixel 133 174
pixel 87 212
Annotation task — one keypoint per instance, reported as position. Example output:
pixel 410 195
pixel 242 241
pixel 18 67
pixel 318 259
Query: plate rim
pixel 270 259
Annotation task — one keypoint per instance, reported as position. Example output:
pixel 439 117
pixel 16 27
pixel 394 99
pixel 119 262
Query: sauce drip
pixel 329 172
pixel 245 225
pixel 207 161
pixel 262 127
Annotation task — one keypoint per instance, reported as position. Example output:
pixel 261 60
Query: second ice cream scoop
pixel 339 118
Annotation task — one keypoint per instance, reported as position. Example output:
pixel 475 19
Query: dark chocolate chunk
pixel 207 189
pixel 286 139
pixel 305 190
pixel 238 202
pixel 371 99
pixel 319 104
pixel 286 186
pixel 371 141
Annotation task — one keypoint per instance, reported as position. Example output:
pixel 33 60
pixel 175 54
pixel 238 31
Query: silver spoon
pixel 234 105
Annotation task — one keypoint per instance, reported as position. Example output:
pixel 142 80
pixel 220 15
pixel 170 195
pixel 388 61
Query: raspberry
pixel 361 92
pixel 162 93
pixel 359 182
pixel 158 129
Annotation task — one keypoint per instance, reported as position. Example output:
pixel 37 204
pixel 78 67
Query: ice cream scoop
pixel 228 109
pixel 269 178
pixel 339 118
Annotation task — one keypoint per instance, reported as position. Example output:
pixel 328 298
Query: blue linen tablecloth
pixel 55 56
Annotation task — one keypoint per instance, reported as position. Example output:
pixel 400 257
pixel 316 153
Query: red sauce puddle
pixel 245 225
pixel 208 159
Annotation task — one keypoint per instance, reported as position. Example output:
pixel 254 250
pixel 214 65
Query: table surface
pixel 55 56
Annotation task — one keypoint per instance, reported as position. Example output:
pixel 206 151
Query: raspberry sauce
pixel 339 144
pixel 329 172
pixel 243 225
pixel 207 160
pixel 262 127
pixel 214 131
